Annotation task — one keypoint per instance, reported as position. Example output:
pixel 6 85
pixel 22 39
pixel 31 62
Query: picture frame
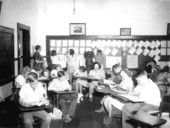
pixel 125 31
pixel 77 28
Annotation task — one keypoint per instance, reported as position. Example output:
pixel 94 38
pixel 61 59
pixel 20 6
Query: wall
pixel 104 17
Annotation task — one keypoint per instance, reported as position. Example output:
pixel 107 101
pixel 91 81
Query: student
pixel 147 91
pixel 32 94
pixel 73 64
pixel 20 81
pixel 80 82
pixel 54 59
pixel 109 102
pixel 101 58
pixel 61 84
pixel 38 60
pixel 96 73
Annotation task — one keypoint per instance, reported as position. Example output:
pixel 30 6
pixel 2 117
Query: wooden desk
pixel 86 78
pixel 36 108
pixel 147 120
pixel 56 96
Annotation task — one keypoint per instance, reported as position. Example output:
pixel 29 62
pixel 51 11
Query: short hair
pixel 83 68
pixel 141 73
pixel 60 73
pixel 97 63
pixel 32 77
pixel 71 52
pixel 53 52
pixel 37 47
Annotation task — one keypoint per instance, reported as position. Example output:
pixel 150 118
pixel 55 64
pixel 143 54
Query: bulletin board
pixel 132 51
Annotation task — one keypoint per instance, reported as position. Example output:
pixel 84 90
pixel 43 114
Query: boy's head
pixel 82 68
pixel 32 78
pixel 141 77
pixel 61 75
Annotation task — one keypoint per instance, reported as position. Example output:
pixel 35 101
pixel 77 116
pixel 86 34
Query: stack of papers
pixel 131 98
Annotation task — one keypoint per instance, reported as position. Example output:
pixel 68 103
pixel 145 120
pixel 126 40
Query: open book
pixel 131 98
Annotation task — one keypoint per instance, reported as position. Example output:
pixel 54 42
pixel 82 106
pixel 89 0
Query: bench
pixel 146 120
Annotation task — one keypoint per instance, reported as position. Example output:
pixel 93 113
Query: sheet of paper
pixel 76 43
pixel 139 51
pixel 146 44
pixel 82 43
pixel 140 44
pixel 132 50
pixel 157 44
pixel 64 50
pixel 107 51
pixel 145 52
pixel 88 43
pixel 132 61
pixel 52 42
pixel 58 50
pixel 135 44
pixel 157 58
pixel 163 43
pixel 82 50
pixel 88 49
pixel 151 53
pixel 129 44
pixel 114 51
pixel 163 51
pixel 112 60
pixel 64 43
pixel 58 43
pixel 70 43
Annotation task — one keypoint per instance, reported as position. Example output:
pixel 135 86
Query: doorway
pixel 23 37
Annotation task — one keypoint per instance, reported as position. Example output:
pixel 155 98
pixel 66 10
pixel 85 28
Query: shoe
pixel 91 99
pixel 108 121
pixel 99 110
pixel 105 119
pixel 67 119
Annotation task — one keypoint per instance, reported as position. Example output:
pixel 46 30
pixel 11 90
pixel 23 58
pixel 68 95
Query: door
pixel 23 46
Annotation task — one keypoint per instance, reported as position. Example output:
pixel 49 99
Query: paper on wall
pixel 64 43
pixel 139 51
pixel 140 44
pixel 157 44
pixel 132 61
pixel 163 51
pixel 129 44
pixel 151 53
pixel 76 43
pixel 135 44
pixel 58 43
pixel 88 43
pixel 163 43
pixel 145 52
pixel 52 43
pixel 82 50
pixel 157 58
pixel 146 44
pixel 112 60
pixel 64 50
pixel 157 52
pixel 88 49
pixel 132 50
pixel 107 51
pixel 82 43
pixel 114 51
pixel 70 43
pixel 168 51
pixel 58 50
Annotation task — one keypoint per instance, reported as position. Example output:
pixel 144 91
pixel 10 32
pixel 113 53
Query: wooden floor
pixel 85 116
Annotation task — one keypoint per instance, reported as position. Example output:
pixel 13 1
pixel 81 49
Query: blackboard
pixel 6 54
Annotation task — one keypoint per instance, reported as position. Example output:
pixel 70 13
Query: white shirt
pixel 60 60
pixel 20 81
pixel 58 85
pixel 29 95
pixel 149 93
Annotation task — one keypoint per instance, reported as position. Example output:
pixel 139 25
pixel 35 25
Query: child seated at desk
pixel 147 91
pixel 81 72
pixel 125 86
pixel 32 94
pixel 61 84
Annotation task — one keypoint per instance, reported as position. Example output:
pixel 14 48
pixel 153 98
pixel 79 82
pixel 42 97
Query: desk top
pixel 35 108
pixel 148 119
pixel 87 78
pixel 63 92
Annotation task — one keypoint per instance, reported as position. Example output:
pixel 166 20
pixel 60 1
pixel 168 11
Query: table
pixel 57 93
pixel 36 108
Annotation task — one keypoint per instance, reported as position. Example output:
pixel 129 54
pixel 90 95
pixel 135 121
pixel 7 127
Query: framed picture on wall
pixel 77 28
pixel 125 31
